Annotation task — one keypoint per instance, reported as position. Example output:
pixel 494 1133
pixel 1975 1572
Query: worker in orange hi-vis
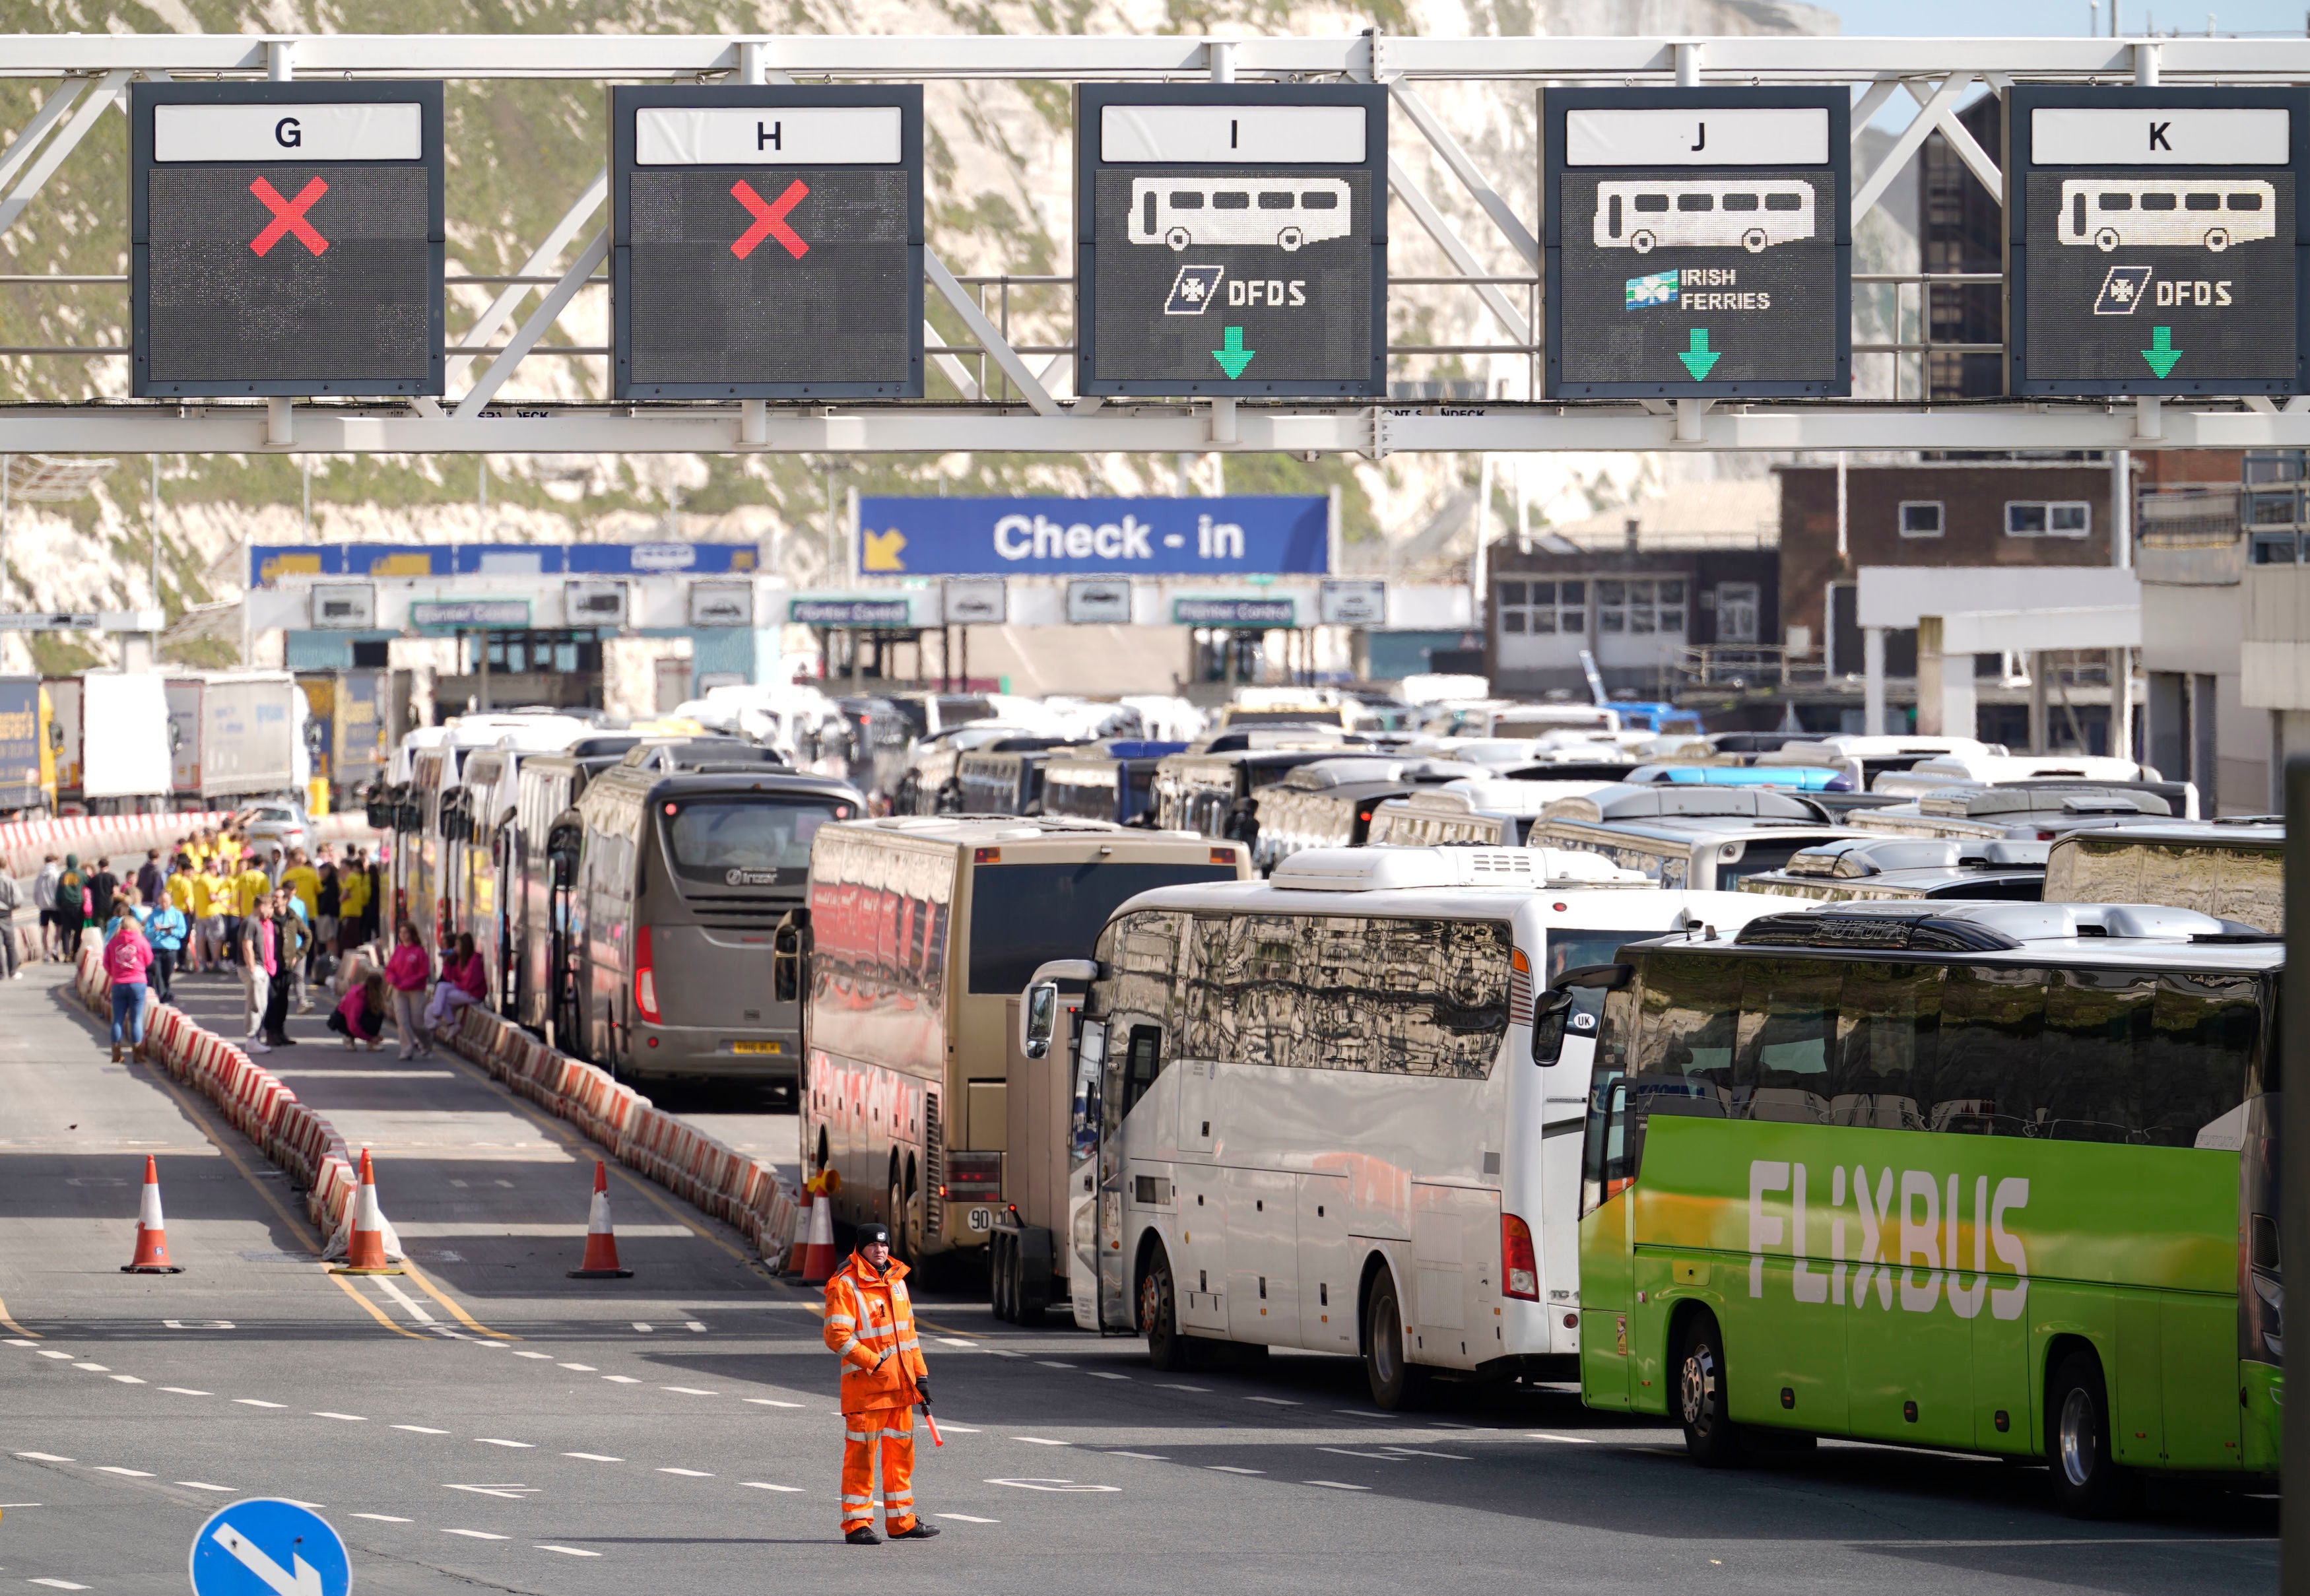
pixel 870 1325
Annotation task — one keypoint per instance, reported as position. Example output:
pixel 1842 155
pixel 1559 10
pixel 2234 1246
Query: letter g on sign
pixel 288 132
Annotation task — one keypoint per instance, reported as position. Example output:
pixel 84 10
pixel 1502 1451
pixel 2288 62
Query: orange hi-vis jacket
pixel 870 1325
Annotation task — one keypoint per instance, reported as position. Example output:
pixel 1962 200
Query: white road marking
pixel 1045 1362
pixel 44 1457
pixel 1367 1413
pixel 567 1551
pixel 494 1441
pixel 347 1417
pixel 1150 1456
pixel 764 1485
pixel 622 1379
pixel 57 1584
pixel 52 1353
pixel 187 1390
pixel 1454 1457
pixel 1384 1457
pixel 771 1402
pixel 965 1518
pixel 477 1534
pixel 688 1473
pixel 1064 1487
pixel 1200 1390
pixel 383 1518
pixel 312 1506
pixel 1273 1401
pixel 583 1368
pixel 1229 1469
pixel 1337 1484
pixel 255 1402
pixel 542 1356
pixel 420 1429
pixel 410 1304
pixel 1103 1375
pixel 942 1340
pixel 640 1326
pixel 18 1341
pixel 689 1391
pixel 196 1324
pixel 999 1352
pixel 594 1457
pixel 510 1490
pixel 203 1485
pixel 131 1473
pixel 93 1368
pixel 693 1324
pixel 1039 1441
pixel 1574 1440
pixel 128 1379
pixel 959 1429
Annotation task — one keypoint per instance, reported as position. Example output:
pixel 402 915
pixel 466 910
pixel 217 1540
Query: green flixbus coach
pixel 1995 1177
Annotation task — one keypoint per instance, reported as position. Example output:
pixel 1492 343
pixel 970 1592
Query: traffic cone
pixel 816 1262
pixel 151 1234
pixel 365 1253
pixel 601 1241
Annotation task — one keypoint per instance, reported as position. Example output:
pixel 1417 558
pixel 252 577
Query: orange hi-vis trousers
pixel 892 1429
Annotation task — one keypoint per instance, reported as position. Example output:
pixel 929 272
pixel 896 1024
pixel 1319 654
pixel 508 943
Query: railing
pixel 2197 537
pixel 1747 665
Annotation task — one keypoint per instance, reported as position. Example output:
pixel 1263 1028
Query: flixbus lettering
pixel 1909 1221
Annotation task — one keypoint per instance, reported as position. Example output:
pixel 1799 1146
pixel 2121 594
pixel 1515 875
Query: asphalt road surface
pixel 482 1422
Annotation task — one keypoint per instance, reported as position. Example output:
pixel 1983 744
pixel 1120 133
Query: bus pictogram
pixel 1286 213
pixel 2109 212
pixel 1644 214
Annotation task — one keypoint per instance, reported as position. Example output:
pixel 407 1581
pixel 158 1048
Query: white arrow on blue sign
pixel 266 1547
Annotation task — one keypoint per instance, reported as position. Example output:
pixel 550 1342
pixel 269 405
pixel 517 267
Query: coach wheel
pixel 1754 241
pixel 1177 237
pixel 2087 1480
pixel 1158 1316
pixel 1290 239
pixel 2218 238
pixel 1711 1438
pixel 898 1210
pixel 2106 240
pixel 1642 242
pixel 1397 1383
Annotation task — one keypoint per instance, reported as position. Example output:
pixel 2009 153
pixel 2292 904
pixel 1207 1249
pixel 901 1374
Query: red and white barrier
pixel 23 844
pixel 731 1185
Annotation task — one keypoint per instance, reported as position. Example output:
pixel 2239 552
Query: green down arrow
pixel 1234 358
pixel 2162 354
pixel 1700 359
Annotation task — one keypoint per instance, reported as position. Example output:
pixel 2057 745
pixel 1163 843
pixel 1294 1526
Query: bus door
pixel 562 847
pixel 1087 1243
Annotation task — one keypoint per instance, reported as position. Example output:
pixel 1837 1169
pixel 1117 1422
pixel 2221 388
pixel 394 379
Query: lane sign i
pixel 2176 206
pixel 267 1546
pixel 1697 243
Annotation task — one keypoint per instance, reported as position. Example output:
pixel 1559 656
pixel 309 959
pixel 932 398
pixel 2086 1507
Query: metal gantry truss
pixel 1012 408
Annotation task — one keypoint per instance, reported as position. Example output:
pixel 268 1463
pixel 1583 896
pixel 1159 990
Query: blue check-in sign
pixel 1245 534
pixel 267 1546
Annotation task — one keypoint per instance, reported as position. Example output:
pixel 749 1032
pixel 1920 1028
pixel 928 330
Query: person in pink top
pixel 127 956
pixel 360 1019
pixel 464 981
pixel 406 972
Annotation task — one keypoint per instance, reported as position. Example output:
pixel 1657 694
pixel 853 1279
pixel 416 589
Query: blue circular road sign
pixel 266 1547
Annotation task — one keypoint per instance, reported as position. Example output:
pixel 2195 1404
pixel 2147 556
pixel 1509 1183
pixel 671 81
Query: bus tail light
pixel 972 1177
pixel 645 976
pixel 1519 1265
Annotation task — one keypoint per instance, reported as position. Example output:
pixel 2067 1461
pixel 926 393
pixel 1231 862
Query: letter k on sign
pixel 287 216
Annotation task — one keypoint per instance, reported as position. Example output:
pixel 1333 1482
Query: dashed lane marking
pixel 774 1402
pixel 256 1402
pixel 477 1534
pixel 594 1457
pixel 965 1518
pixel 347 1417
pixel 689 1391
pixel 44 1457
pixel 544 1356
pixel 203 1485
pixel 693 1324
pixel 1045 1362
pixel 1275 1402
pixel 57 1584
pixel 420 1429
pixel 644 1329
pixel 583 1368
pixel 1337 1484
pixel 383 1518
pixel 1230 1469
pixel 1152 1457
pixel 93 1368
pixel 959 1429
pixel 52 1352
pixel 1039 1441
pixel 1452 1457
pixel 764 1485
pixel 951 1341
pixel 1384 1457
pixel 494 1441
pixel 688 1473
pixel 1199 1390
pixel 622 1379
pixel 567 1551
pixel 187 1390
pixel 128 1379
pixel 1573 1440
pixel 130 1473
pixel 409 1304
pixel 1104 1374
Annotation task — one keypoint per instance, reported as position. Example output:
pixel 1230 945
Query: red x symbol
pixel 287 216
pixel 770 220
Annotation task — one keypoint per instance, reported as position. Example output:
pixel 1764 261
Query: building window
pixel 1922 518
pixel 1640 608
pixel 1544 608
pixel 2035 519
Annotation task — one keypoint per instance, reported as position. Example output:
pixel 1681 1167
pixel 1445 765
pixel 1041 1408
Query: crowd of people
pixel 281 921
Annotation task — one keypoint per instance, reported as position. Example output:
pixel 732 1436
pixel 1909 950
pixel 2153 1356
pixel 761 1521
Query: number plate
pixel 981 1219
pixel 758 1047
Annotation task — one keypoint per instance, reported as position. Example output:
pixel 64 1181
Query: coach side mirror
pixel 789 957
pixel 1573 1008
pixel 1040 1018
pixel 1552 1017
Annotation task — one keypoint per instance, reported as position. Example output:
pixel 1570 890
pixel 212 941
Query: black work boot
pixel 863 1536
pixel 919 1532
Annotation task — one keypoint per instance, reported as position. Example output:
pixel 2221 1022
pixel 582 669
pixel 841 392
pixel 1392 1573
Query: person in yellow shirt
pixel 253 885
pixel 352 898
pixel 214 923
pixel 188 890
pixel 301 879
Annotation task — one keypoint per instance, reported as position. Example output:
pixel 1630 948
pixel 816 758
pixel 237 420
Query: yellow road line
pixel 374 1312
pixel 29 1334
pixel 443 1298
pixel 945 1330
